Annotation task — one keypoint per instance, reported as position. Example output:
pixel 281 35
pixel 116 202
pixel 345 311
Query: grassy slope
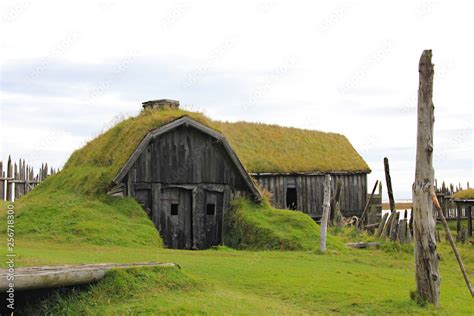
pixel 246 282
pixel 263 227
pixel 68 217
pixel 465 194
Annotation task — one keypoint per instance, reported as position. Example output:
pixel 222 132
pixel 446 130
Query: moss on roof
pixel 464 194
pixel 273 148
pixel 260 147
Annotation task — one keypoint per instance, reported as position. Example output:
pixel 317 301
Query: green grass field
pixel 223 280
pixel 226 281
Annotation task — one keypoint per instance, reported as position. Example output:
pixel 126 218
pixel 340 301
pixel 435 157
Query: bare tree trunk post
pixel 326 209
pixel 388 179
pixel 426 256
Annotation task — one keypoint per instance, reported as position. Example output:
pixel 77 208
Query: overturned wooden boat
pixel 32 278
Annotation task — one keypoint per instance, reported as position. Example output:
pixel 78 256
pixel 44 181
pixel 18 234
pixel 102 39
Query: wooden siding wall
pixel 186 156
pixel 310 190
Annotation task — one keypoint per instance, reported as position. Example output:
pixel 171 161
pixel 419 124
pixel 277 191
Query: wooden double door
pixel 188 217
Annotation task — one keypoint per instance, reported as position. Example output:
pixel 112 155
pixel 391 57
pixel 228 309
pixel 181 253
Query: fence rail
pixel 20 178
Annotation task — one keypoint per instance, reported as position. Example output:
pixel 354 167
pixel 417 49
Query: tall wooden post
pixel 426 257
pixel 388 179
pixel 326 209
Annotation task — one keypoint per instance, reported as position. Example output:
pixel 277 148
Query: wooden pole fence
pixel 19 178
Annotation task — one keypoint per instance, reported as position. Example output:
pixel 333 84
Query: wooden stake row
pixel 19 178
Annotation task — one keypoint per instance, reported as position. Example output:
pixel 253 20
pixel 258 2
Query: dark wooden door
pixel 177 218
pixel 212 219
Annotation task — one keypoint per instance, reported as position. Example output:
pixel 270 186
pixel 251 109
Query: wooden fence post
pixel 382 225
pixel 426 256
pixel 362 218
pixel 388 179
pixel 9 176
pixel 326 210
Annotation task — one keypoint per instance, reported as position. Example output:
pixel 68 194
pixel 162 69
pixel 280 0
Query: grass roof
pixel 260 147
pixel 464 194
pixel 273 148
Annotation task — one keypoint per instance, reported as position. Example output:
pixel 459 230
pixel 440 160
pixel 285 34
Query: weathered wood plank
pixel 69 275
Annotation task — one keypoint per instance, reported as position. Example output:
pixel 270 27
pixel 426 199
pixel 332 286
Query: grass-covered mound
pixel 67 217
pixel 119 292
pixel 261 227
pixel 464 194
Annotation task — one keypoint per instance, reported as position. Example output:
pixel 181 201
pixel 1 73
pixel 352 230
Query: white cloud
pixel 69 68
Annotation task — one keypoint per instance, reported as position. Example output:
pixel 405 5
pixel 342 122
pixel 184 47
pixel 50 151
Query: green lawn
pixel 62 228
pixel 226 281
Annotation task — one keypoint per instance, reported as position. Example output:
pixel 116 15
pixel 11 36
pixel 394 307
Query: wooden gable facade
pixel 185 175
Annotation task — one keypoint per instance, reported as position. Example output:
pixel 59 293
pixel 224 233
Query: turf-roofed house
pixel 186 169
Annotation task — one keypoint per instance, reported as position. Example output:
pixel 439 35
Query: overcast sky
pixel 68 71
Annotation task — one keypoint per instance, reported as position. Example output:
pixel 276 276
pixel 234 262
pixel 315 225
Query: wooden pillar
pixel 326 210
pixel 424 225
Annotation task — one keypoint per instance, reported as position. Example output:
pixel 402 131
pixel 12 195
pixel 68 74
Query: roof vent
pixel 161 104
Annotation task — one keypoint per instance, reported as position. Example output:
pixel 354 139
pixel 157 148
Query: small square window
pixel 174 209
pixel 211 209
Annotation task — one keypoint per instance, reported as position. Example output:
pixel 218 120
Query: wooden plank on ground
pixel 67 275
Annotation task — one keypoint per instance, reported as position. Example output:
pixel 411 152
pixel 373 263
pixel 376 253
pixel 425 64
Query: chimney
pixel 161 104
